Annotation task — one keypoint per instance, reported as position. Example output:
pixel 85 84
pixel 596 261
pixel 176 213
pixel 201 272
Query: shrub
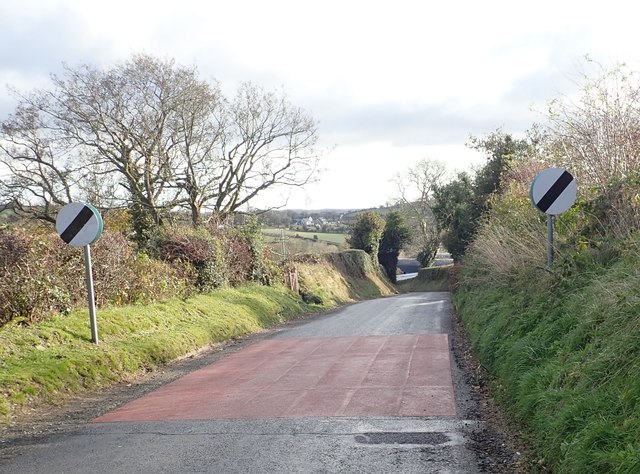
pixel 252 233
pixel 40 275
pixel 366 233
pixel 395 237
pixel 426 256
pixel 113 259
pixel 238 255
pixel 36 276
pixel 198 248
pixel 155 280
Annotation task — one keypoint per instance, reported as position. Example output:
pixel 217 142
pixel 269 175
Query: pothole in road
pixel 402 438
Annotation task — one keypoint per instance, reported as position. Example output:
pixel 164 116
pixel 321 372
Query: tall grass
pixel 564 346
pixel 511 239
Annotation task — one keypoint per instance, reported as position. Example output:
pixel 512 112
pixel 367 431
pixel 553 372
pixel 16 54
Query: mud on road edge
pixel 499 447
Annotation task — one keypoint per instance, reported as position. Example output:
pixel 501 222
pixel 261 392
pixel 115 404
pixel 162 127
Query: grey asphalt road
pixel 362 444
pixel 411 313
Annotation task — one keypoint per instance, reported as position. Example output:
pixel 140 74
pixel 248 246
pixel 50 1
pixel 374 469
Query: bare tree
pixel 127 125
pixel 198 128
pixel 154 136
pixel 597 135
pixel 415 198
pixel 122 119
pixel 232 151
pixel 41 168
pixel 267 142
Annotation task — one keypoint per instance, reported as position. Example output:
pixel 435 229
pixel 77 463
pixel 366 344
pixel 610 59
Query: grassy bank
pixel 428 279
pixel 565 350
pixel 347 276
pixel 46 362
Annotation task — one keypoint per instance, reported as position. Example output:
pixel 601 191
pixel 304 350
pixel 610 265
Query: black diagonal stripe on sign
pixel 77 224
pixel 555 191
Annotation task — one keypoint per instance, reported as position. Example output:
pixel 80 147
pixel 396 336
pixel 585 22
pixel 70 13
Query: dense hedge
pixel 40 275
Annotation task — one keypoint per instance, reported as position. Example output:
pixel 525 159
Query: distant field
pixel 327 237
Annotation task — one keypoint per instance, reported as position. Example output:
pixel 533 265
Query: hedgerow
pixel 40 275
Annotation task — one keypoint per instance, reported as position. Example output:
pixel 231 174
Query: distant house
pixel 307 221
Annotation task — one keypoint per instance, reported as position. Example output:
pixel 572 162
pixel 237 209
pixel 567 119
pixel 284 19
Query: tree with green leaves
pixel 456 214
pixel 366 233
pixel 460 204
pixel 395 236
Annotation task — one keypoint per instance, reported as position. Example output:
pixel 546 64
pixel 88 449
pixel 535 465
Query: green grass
pixel 565 352
pixel 53 359
pixel 327 237
pixel 45 362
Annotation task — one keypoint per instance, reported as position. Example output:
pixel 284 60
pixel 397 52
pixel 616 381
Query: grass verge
pixel 564 348
pixel 49 361
pixel 46 362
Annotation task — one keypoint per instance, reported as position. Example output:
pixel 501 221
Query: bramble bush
pixel 124 276
pixel 195 248
pixel 237 254
pixel 34 276
pixel 40 275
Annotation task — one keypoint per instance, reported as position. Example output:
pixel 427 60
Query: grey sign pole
pixel 79 224
pixel 92 301
pixel 553 191
pixel 549 240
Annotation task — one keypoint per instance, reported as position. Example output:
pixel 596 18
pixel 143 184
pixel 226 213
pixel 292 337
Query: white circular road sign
pixel 554 191
pixel 79 224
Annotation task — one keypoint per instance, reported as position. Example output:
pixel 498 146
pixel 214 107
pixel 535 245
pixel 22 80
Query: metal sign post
pixel 79 224
pixel 550 219
pixel 92 300
pixel 553 191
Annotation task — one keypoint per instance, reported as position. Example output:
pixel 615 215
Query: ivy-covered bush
pixel 196 248
pixel 366 233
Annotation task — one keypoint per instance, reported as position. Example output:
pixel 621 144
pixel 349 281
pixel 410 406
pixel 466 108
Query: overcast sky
pixel 389 82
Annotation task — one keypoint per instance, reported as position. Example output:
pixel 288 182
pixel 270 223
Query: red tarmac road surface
pixel 396 375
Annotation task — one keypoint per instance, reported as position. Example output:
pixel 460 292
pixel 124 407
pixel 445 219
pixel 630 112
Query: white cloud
pixel 403 79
